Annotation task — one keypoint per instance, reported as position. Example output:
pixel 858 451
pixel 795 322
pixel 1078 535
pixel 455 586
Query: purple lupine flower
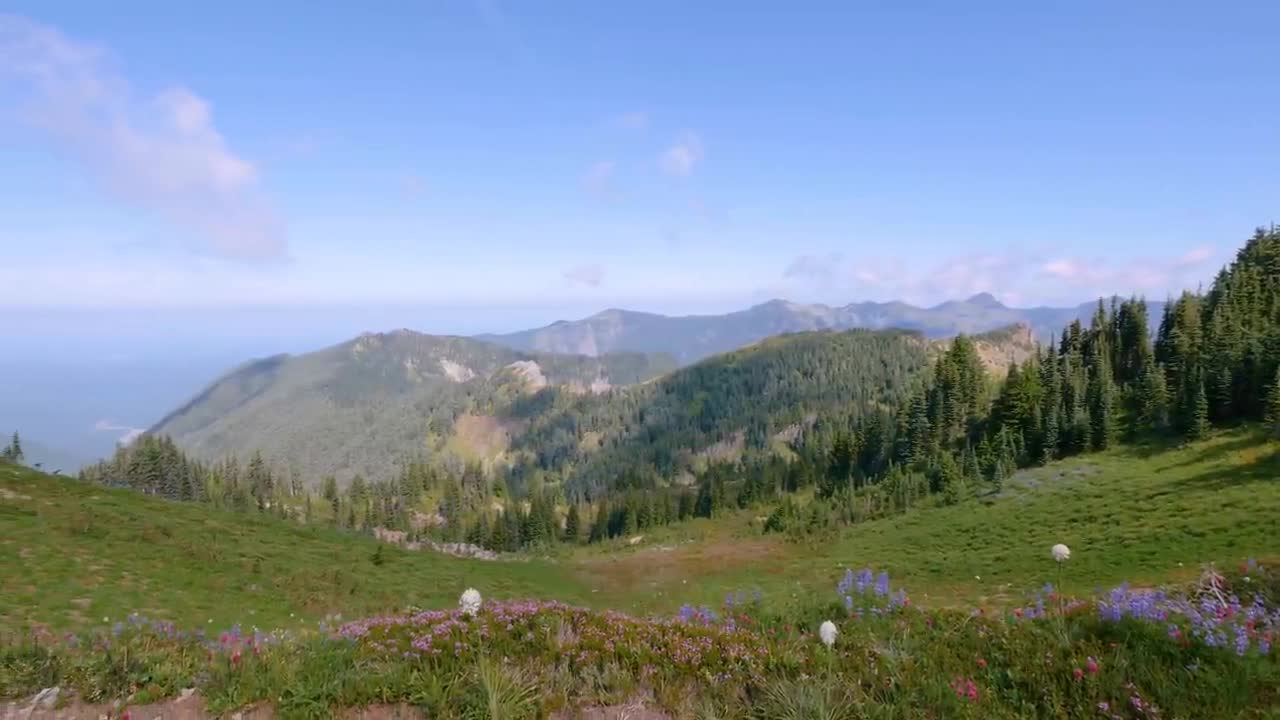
pixel 863 581
pixel 882 584
pixel 846 583
pixel 1242 641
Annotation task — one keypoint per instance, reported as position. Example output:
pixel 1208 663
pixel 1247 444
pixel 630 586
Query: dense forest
pixel 738 403
pixel 855 416
pixel 1215 359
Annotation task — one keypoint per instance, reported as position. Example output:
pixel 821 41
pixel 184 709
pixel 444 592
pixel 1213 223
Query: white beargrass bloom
pixel 1061 552
pixel 827 631
pixel 470 602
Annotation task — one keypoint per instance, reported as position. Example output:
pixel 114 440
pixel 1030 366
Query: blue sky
pixel 533 160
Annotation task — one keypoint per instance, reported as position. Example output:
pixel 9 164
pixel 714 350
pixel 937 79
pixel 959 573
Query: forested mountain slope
pixel 365 405
pixel 718 409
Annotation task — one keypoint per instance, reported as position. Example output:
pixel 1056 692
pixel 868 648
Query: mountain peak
pixel 985 299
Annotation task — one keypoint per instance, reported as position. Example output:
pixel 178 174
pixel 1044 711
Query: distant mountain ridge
pixel 690 338
pixel 365 404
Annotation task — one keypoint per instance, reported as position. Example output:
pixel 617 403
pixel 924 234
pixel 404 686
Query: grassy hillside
pixel 72 554
pixel 81 556
pixel 365 405
pixel 1141 515
pixel 75 553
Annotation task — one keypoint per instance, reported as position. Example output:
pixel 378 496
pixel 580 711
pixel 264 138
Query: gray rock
pixel 46 699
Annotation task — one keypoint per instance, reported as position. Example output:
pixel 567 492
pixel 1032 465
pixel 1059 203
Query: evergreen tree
pixel 1198 426
pixel 600 525
pixel 571 525
pixel 1102 417
pixel 1153 399
pixel 498 537
pixel 839 467
pixel 705 505
pixel 1273 404
pixel 13 452
pixel 259 478
pixel 950 479
pixel 972 473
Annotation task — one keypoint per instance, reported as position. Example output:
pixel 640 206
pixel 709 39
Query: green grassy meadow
pixel 1143 515
pixel 72 554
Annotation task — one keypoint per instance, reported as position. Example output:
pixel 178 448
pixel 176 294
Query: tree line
pixel 1214 360
pixel 862 418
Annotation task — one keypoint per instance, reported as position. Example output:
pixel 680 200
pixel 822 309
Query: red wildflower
pixel 235 658
pixel 1017 612
pixel 1092 666
pixel 982 663
pixel 1077 674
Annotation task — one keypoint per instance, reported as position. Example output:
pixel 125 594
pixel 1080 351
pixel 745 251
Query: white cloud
pixel 681 158
pixel 1062 268
pixel 163 154
pixel 1013 277
pixel 591 275
pixel 1196 256
pixel 129 433
pixel 632 121
pixel 599 177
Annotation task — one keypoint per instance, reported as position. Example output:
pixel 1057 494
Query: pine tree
pixel 259 479
pixel 1153 399
pixel 1102 418
pixel 950 479
pixel 572 524
pixel 14 452
pixel 600 525
pixel 1050 438
pixel 1273 404
pixel 972 473
pixel 839 467
pixel 1198 426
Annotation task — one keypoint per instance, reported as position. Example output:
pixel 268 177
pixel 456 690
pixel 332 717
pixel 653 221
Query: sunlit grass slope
pixel 72 554
pixel 1138 514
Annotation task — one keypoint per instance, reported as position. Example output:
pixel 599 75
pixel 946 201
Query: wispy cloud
pixel 129 434
pixel 817 268
pixel 1014 276
pixel 413 185
pixel 634 121
pixel 680 159
pixel 590 275
pixel 599 177
pixel 162 154
pixel 1196 256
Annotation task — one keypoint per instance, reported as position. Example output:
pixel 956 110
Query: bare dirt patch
pixel 628 573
